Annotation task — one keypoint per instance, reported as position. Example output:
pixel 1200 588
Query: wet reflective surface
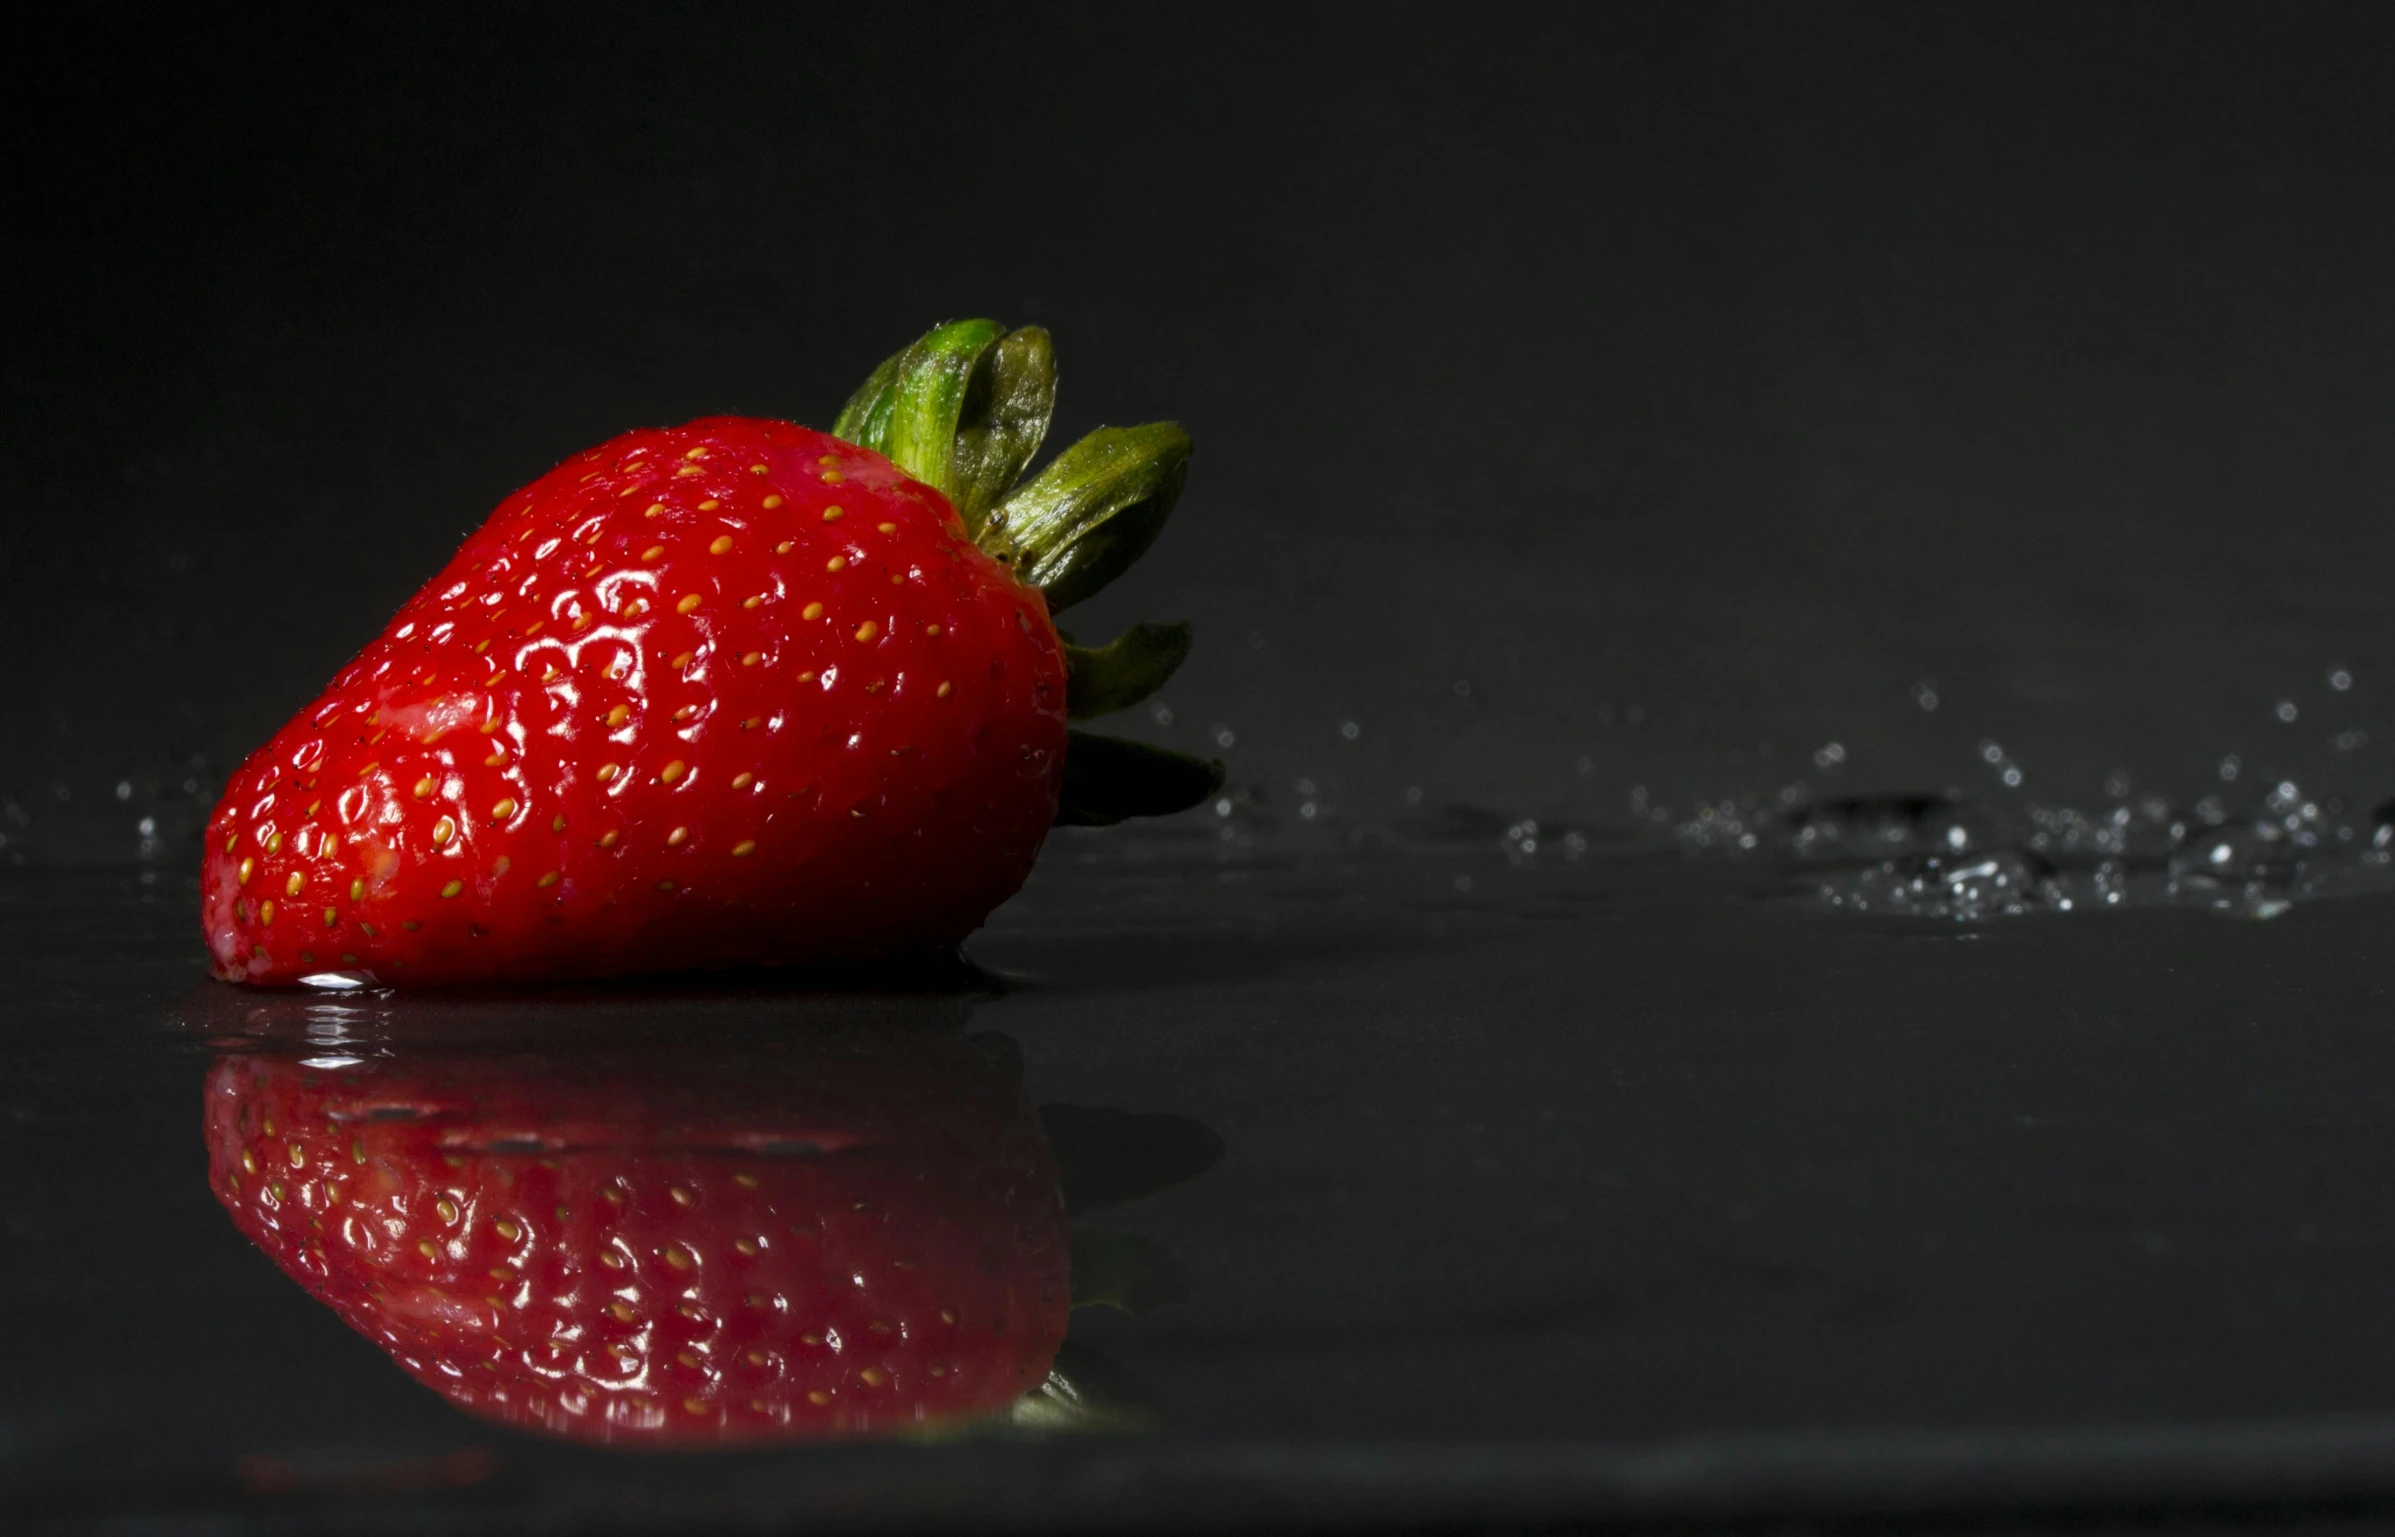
pixel 843 1232
pixel 1402 1174
pixel 698 1217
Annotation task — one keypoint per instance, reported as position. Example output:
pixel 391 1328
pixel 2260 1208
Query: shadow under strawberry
pixel 839 1232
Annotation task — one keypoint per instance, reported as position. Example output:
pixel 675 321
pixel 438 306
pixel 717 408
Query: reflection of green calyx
pixel 1124 671
pixel 963 409
pixel 1062 1404
pixel 1085 1392
pixel 1109 780
pixel 1125 1272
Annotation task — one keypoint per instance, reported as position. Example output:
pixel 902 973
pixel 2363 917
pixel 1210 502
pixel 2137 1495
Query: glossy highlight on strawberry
pixel 737 693
pixel 853 1233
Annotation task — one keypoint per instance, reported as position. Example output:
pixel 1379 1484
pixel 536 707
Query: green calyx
pixel 963 410
pixel 1124 671
pixel 1108 779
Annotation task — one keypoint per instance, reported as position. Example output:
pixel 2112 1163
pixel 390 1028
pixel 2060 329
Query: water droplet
pixel 1223 736
pixel 124 789
pixel 2339 679
pixel 1162 714
pixel 1413 795
pixel 1942 856
pixel 2286 712
pixel 1829 755
pixel 1350 730
pixel 338 981
pixel 2229 765
pixel 1998 883
pixel 1925 694
pixel 2351 740
pixel 2255 851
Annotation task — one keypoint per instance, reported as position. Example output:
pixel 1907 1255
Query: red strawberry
pixel 862 1231
pixel 733 693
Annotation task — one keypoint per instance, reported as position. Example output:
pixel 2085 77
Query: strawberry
pixel 733 693
pixel 855 1231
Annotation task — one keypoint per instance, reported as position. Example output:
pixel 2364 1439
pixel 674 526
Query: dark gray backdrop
pixel 1584 397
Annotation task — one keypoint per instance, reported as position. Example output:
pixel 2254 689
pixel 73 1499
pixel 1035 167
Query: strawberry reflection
pixel 839 1228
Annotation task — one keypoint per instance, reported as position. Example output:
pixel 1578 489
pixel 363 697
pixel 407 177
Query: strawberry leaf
pixel 1009 396
pixel 963 409
pixel 865 420
pixel 1124 671
pixel 1094 510
pixel 1109 780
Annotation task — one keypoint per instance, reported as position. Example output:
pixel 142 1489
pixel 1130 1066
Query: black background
pixel 1584 396
pixel 1587 400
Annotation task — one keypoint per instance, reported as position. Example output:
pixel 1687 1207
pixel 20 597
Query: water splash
pixel 1969 860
